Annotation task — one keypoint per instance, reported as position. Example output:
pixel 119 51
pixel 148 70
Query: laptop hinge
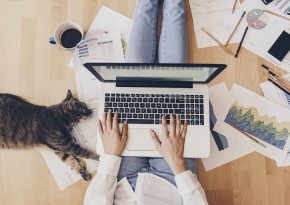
pixel 155 84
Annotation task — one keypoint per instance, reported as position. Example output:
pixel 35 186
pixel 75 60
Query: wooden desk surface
pixel 32 68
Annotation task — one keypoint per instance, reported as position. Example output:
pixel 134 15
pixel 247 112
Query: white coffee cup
pixel 67 33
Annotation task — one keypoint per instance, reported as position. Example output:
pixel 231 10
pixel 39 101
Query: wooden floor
pixel 34 69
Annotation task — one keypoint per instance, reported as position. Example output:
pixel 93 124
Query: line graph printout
pixel 263 127
pixel 223 149
pixel 275 94
pixel 263 119
pixel 206 6
pixel 219 23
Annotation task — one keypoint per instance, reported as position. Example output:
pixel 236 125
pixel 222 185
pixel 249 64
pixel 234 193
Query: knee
pixel 146 10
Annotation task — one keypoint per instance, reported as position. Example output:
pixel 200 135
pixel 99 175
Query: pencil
pixel 281 78
pixel 249 136
pixel 245 32
pixel 235 28
pixel 277 81
pixel 234 6
pixel 279 86
pixel 220 44
pixel 284 17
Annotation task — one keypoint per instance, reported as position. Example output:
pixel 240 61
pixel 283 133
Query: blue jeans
pixel 142 48
pixel 142 45
pixel 131 166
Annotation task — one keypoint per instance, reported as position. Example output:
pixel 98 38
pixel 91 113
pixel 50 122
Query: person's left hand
pixel 113 142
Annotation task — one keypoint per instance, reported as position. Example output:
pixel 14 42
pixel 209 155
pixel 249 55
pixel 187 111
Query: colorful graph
pixel 287 98
pixel 257 19
pixel 220 140
pixel 263 127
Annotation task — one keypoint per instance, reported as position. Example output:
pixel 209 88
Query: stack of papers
pixel 104 42
pixel 217 18
pixel 266 121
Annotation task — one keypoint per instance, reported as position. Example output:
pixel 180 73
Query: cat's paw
pixel 85 175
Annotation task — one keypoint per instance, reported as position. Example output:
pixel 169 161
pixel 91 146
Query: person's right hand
pixel 113 142
pixel 172 146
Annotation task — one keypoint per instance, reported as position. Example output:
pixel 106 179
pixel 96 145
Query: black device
pixel 267 1
pixel 280 48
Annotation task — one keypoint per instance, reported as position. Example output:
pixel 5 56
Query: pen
pixel 245 32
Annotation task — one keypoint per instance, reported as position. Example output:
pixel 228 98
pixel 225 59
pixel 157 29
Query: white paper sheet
pixel 103 47
pixel 273 93
pixel 274 116
pixel 280 7
pixel 85 134
pixel 235 150
pixel 110 21
pixel 217 18
pixel 260 41
pixel 88 91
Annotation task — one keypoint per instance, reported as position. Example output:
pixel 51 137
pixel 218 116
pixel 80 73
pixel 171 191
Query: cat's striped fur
pixel 24 125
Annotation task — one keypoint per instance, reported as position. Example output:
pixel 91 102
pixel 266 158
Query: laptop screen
pixel 196 73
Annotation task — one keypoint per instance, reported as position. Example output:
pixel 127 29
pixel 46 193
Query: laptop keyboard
pixel 149 108
pixel 152 67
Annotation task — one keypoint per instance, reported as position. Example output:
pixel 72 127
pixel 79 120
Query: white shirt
pixel 150 189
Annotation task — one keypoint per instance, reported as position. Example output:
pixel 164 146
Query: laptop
pixel 142 93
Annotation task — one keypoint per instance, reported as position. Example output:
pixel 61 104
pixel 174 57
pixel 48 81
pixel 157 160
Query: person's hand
pixel 172 146
pixel 113 142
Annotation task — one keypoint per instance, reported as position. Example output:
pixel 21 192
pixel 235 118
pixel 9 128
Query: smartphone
pixel 280 48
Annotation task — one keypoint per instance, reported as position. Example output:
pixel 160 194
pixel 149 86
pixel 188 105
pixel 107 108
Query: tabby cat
pixel 25 125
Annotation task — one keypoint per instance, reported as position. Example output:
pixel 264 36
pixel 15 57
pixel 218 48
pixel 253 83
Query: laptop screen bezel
pixel 220 68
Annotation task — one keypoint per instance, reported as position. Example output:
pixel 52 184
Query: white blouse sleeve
pixel 103 186
pixel 190 189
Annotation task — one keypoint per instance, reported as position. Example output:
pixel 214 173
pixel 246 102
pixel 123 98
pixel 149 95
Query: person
pixel 169 179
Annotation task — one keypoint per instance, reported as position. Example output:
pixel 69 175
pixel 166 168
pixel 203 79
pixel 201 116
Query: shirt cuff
pixel 186 182
pixel 109 164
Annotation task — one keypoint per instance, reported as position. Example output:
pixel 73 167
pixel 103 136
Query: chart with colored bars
pixel 220 140
pixel 257 19
pixel 283 5
pixel 263 127
pixel 287 98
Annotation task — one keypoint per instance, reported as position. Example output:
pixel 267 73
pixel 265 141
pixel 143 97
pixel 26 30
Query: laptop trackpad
pixel 140 140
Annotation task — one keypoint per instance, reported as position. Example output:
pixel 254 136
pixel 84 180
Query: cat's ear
pixel 69 95
pixel 70 103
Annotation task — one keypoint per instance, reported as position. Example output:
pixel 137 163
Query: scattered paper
pixel 233 150
pixel 260 41
pixel 107 26
pixel 217 18
pixel 104 47
pixel 281 7
pixel 266 121
pixel 275 94
pixel 110 21
pixel 85 134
